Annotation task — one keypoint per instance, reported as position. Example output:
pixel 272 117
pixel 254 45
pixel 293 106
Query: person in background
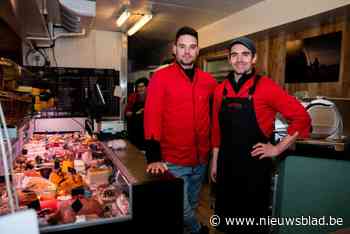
pixel 244 109
pixel 134 113
pixel 177 122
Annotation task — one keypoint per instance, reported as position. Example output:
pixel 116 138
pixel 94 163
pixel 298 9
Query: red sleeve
pixel 214 85
pixel 215 130
pixel 291 109
pixel 131 102
pixel 154 108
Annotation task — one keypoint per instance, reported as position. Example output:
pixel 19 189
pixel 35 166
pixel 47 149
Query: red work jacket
pixel 177 114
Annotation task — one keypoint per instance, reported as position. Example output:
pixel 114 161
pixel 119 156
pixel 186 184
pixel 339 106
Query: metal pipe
pixel 82 33
pixel 45 12
pixel 2 116
pixel 6 169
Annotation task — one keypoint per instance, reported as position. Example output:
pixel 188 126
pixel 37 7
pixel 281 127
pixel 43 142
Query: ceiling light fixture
pixel 139 24
pixel 123 17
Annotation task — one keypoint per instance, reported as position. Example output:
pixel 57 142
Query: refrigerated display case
pixel 96 188
pixel 77 91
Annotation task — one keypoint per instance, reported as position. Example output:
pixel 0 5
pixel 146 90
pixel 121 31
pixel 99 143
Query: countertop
pixel 133 164
pixel 323 148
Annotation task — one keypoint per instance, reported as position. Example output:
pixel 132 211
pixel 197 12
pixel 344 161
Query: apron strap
pixel 253 88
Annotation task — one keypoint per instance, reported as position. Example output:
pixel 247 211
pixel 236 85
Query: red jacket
pixel 269 98
pixel 177 114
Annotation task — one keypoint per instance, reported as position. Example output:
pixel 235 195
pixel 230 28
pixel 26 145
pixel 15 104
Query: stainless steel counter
pixel 133 164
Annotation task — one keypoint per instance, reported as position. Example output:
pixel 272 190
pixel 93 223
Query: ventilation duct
pixel 76 14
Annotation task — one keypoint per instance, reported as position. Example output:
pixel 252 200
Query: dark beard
pixel 247 72
pixel 185 64
pixel 234 75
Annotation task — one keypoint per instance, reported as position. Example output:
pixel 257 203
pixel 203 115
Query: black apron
pixel 243 182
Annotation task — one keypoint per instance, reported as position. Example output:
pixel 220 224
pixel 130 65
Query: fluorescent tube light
pixel 139 24
pixel 123 17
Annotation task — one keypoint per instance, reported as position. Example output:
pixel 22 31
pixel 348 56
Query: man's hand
pixel 268 150
pixel 139 111
pixel 156 168
pixel 214 165
pixel 128 114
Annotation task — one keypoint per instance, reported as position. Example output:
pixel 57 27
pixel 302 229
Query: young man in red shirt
pixel 244 109
pixel 134 113
pixel 177 122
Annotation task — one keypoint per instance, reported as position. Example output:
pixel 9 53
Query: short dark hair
pixel 143 80
pixel 186 31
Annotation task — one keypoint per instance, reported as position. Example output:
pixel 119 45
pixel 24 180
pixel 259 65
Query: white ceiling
pixel 169 15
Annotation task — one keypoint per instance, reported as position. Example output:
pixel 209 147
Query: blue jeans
pixel 193 178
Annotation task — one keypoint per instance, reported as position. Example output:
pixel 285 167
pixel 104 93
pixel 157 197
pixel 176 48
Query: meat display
pixel 98 175
pixel 66 178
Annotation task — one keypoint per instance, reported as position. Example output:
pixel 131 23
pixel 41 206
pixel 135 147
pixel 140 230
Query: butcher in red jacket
pixel 245 106
pixel 177 121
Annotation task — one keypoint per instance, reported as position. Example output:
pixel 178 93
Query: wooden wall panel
pixel 329 89
pixel 271 51
pixel 345 69
pixel 262 47
pixel 277 57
